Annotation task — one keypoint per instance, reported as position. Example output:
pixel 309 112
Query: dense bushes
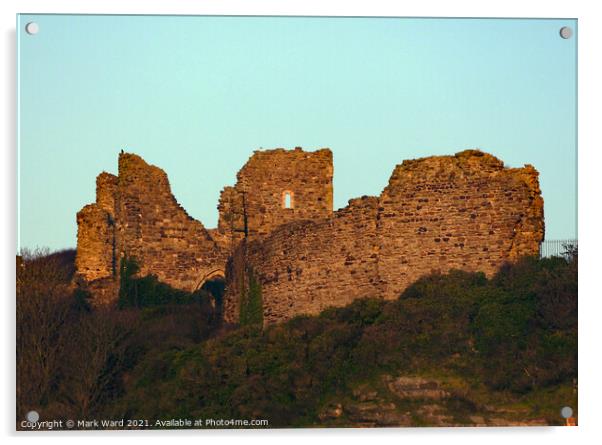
pixel 69 358
pixel 515 333
pixel 73 360
pixel 149 291
pixel 503 333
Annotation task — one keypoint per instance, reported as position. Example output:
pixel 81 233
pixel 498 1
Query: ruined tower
pixel 276 187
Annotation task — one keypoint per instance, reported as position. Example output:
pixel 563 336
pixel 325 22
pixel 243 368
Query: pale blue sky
pixel 196 95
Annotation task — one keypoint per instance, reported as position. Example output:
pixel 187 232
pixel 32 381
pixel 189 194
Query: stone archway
pixel 214 283
pixel 211 275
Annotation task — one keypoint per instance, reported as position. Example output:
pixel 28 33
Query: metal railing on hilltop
pixel 557 247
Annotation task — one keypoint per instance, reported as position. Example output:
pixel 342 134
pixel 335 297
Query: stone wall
pixel 157 231
pixel 135 214
pixel 95 243
pixel 465 211
pixel 106 192
pixel 95 262
pixel 256 202
pixel 447 212
pixel 307 266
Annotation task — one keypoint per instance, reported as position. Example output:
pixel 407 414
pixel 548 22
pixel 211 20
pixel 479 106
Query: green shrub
pixel 515 333
pixel 251 305
pixel 148 291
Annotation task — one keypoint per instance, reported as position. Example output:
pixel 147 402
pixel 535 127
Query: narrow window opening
pixel 287 199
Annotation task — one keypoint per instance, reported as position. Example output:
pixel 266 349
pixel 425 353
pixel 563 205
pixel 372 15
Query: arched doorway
pixel 214 284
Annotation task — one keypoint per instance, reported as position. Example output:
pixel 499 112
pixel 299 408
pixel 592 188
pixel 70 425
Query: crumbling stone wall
pixel 465 211
pixel 136 215
pixel 445 212
pixel 95 243
pixel 155 229
pixel 256 204
pixel 307 266
pixel 106 191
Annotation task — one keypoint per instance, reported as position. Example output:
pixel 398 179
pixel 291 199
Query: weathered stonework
pixel 95 243
pixel 264 181
pixel 135 214
pixel 465 212
pixel 307 266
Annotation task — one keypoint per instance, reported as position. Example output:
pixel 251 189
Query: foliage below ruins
pixel 148 291
pixel 505 345
pixel 251 305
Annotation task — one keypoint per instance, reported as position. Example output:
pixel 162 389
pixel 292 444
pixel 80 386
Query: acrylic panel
pixel 267 222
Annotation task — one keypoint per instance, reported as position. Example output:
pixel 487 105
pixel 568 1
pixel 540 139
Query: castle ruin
pixel 466 211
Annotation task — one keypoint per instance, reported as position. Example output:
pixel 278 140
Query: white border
pixel 590 100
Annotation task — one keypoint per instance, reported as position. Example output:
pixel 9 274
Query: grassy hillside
pixel 454 349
